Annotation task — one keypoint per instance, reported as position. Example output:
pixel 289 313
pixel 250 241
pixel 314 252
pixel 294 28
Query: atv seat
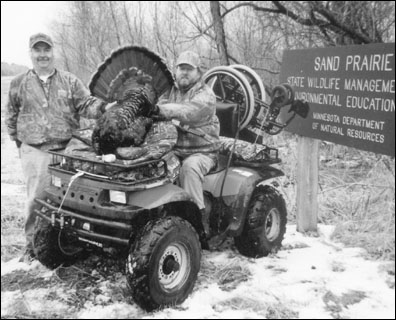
pixel 228 118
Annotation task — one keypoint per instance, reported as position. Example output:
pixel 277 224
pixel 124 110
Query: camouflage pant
pixel 35 170
pixel 192 173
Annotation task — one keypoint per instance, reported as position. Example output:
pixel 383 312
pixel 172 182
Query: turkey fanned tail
pixel 134 77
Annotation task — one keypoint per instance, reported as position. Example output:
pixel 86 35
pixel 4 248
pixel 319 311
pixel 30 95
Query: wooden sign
pixel 350 91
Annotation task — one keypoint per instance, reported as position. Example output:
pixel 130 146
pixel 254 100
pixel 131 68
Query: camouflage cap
pixel 189 57
pixel 40 37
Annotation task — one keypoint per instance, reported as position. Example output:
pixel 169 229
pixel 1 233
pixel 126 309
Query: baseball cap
pixel 189 57
pixel 40 37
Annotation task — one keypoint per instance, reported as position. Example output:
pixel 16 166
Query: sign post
pixel 351 94
pixel 307 176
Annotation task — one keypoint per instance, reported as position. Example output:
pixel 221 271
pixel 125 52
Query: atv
pixel 141 210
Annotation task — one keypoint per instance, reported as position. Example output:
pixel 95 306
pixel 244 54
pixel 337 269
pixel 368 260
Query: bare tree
pixel 219 32
pixel 111 5
pixel 127 21
pixel 254 33
pixel 353 20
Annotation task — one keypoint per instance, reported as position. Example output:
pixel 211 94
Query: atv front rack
pixel 123 172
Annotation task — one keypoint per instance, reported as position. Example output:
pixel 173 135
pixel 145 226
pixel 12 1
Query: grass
pixel 266 310
pixel 13 191
pixel 362 206
pixel 231 275
pixel 228 276
pixel 356 194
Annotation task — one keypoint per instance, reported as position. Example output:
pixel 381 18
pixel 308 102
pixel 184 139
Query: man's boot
pixel 205 222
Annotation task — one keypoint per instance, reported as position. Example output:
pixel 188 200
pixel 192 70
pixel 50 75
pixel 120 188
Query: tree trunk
pixel 219 33
pixel 128 21
pixel 115 23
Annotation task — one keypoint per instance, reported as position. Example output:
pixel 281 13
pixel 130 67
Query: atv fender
pixel 155 197
pixel 237 191
pixel 185 206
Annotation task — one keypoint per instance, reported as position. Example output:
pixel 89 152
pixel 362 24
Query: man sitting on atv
pixel 191 103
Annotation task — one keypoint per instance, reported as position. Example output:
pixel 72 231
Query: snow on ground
pixel 310 278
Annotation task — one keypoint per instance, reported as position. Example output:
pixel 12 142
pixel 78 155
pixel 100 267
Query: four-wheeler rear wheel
pixel 265 223
pixel 163 263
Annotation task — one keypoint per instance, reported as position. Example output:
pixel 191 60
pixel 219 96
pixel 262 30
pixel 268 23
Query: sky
pixel 21 19
pixel 313 277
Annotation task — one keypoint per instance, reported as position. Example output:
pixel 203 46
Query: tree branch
pixel 318 7
pixel 252 5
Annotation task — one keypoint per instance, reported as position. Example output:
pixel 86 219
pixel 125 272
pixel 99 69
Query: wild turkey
pixel 134 77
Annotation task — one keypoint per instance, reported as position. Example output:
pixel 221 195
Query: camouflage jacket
pixel 198 131
pixel 45 114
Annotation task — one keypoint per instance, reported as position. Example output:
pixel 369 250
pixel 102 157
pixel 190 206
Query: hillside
pixel 12 69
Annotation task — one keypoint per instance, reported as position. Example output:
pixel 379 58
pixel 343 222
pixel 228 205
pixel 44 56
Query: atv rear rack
pixel 123 172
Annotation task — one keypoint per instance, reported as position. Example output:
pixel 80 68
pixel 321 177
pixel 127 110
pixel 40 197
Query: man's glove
pixel 155 114
pixel 155 110
pixel 18 143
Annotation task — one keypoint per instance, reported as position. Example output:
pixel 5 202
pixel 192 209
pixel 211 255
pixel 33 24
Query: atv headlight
pixel 56 181
pixel 117 196
pixel 86 226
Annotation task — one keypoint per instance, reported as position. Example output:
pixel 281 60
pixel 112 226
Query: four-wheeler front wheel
pixel 53 247
pixel 163 264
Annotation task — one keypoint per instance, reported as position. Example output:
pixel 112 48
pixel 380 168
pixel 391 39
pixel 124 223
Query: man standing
pixel 192 103
pixel 44 106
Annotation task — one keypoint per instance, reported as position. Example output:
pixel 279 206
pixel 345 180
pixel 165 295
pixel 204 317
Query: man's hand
pixel 18 143
pixel 105 107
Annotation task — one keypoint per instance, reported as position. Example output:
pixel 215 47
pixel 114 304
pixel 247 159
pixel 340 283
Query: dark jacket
pixel 196 111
